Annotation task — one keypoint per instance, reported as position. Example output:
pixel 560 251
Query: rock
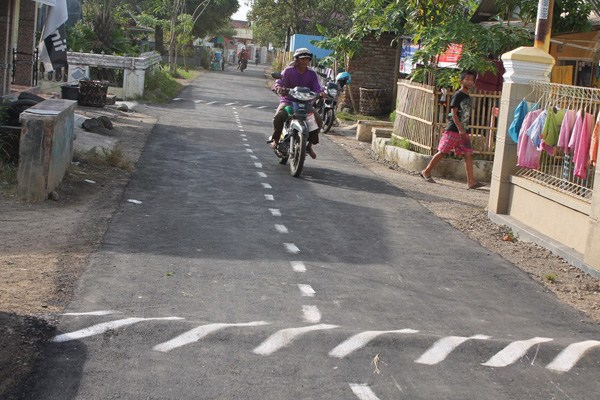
pixel 106 122
pixel 111 99
pixel 95 125
pixel 122 107
pixel 53 196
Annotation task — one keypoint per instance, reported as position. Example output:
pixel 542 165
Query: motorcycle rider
pixel 299 74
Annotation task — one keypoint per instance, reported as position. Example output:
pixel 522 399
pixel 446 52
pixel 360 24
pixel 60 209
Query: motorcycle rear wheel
pixel 328 119
pixel 298 154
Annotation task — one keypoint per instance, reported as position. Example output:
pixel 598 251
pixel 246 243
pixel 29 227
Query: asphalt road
pixel 234 280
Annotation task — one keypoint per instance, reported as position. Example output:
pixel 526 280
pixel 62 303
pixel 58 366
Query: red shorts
pixel 452 140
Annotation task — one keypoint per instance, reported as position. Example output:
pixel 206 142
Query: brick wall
pixel 26 44
pixel 374 67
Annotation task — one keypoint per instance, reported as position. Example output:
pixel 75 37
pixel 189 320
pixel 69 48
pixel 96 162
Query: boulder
pixel 106 122
pixel 95 125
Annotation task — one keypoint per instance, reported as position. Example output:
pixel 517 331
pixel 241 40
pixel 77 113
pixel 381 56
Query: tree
pixel 100 14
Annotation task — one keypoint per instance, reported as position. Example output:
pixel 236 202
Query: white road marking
pixel 306 290
pixel 106 326
pixel 212 102
pixel 281 228
pixel 298 266
pixel 262 174
pixel 198 101
pixel 247 145
pixel 244 140
pixel 360 340
pixel 261 107
pixel 254 157
pixel 230 104
pixel 571 355
pixel 267 186
pixel 248 105
pixel 258 165
pixel 198 333
pixel 249 151
pixel 292 248
pixel 177 99
pixel 363 392
pixel 243 135
pixel 513 352
pixel 275 212
pixel 311 314
pixel 105 312
pixel 286 336
pixel 269 197
pixel 443 347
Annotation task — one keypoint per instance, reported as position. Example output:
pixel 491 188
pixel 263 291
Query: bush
pixel 160 86
pixel 403 143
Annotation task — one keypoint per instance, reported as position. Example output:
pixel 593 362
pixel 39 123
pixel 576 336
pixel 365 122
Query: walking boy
pixel 456 136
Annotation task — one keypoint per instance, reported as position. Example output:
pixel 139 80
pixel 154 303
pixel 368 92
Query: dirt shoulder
pixel 46 246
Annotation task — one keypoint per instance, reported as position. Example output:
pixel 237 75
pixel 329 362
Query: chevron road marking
pixel 571 355
pixel 106 326
pixel 443 347
pixel 105 312
pixel 311 314
pixel 286 336
pixel 360 340
pixel 291 248
pixel 363 392
pixel 514 351
pixel 198 333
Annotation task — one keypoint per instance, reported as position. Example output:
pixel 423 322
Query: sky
pixel 240 15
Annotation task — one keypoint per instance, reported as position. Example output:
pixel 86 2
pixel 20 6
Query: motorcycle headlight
pixel 332 92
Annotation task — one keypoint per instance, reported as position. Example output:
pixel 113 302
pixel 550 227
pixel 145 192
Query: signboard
pixel 406 56
pixel 450 58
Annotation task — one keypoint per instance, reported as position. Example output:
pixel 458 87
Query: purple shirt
pixel 292 78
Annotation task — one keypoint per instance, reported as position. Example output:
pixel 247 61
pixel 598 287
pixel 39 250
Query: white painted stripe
pixel 298 266
pixel 105 312
pixel 198 333
pixel 286 336
pixel 254 157
pixel 261 107
pixel 360 340
pixel 241 130
pixel 281 228
pixel 363 392
pixel 198 101
pixel 247 145
pixel 258 165
pixel 269 197
pixel 311 314
pixel 513 352
pixel 292 248
pixel 177 99
pixel 275 212
pixel 212 102
pixel 443 347
pixel 262 174
pixel 233 108
pixel 267 186
pixel 306 290
pixel 243 135
pixel 571 355
pixel 248 105
pixel 106 326
pixel 244 140
pixel 230 104
pixel 249 151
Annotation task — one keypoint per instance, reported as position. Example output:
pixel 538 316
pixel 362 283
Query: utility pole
pixel 543 27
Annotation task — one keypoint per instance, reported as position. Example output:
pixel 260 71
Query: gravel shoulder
pixel 46 246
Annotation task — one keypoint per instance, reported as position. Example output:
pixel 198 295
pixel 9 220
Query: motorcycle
pixel 242 64
pixel 326 106
pixel 294 138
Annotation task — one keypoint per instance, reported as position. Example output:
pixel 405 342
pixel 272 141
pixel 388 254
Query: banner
pixel 406 56
pixel 450 58
pixel 53 45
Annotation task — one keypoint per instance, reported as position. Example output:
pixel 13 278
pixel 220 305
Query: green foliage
pixel 160 79
pixel 550 278
pixel 403 142
pixel 114 158
pixel 393 116
pixel 355 117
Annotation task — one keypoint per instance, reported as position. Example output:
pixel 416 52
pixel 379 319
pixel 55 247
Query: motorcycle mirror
pixel 276 75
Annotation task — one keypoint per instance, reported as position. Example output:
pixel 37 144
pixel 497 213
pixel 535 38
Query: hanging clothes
pixel 528 153
pixel 566 129
pixel 521 111
pixel 551 131
pixel 562 75
pixel 582 150
pixel 594 143
pixel 535 130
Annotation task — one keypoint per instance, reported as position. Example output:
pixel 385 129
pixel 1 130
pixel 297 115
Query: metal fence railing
pixel 557 171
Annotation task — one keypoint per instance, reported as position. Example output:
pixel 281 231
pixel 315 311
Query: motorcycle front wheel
pixel 298 150
pixel 328 119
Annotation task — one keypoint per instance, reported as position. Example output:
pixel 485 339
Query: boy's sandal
pixel 427 178
pixel 477 185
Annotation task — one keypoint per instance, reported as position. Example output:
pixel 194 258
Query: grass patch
pixel 550 278
pixel 404 143
pixel 357 117
pixel 160 86
pixel 8 177
pixel 114 158
pixel 183 74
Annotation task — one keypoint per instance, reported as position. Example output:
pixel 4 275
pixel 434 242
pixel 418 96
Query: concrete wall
pixel 46 148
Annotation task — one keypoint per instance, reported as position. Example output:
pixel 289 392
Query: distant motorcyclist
pixel 242 59
pixel 297 75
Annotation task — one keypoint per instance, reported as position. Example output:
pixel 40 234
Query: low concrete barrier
pixel 364 130
pixel 46 148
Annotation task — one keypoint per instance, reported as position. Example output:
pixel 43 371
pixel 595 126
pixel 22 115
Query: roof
pixel 239 24
pixel 488 8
